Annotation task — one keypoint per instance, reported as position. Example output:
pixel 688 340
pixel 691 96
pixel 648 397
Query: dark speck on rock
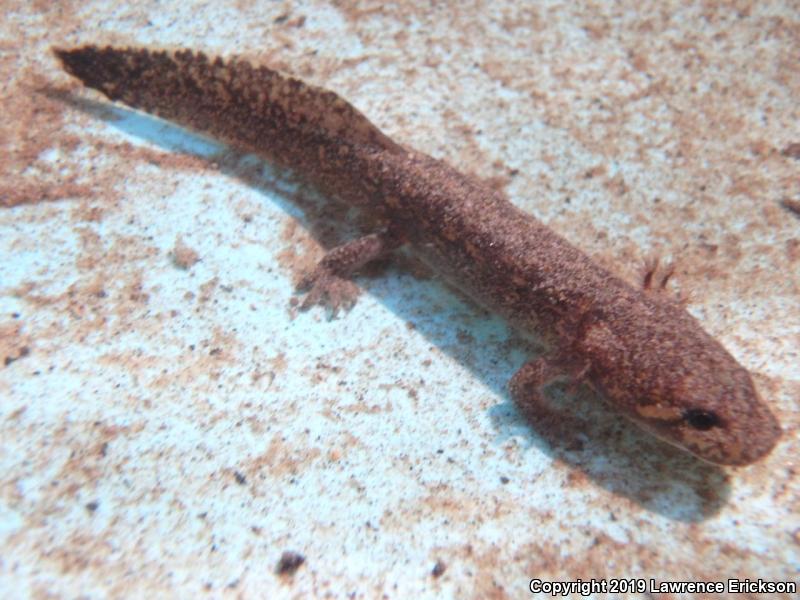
pixel 792 151
pixel 438 569
pixel 289 563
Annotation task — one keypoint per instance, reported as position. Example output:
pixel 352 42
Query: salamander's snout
pixel 719 439
pixel 717 415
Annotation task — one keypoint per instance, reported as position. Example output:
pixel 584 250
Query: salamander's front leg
pixel 329 283
pixel 527 390
pixel 527 385
pixel 655 278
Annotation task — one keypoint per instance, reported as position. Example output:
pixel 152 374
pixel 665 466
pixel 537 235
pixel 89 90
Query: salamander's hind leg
pixel 329 284
pixel 527 390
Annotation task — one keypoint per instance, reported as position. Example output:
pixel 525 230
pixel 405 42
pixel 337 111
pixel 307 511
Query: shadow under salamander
pixel 611 451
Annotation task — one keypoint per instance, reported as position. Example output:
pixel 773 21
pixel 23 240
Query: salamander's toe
pixel 326 289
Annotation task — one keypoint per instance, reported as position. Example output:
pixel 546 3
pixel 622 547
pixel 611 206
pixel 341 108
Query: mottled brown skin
pixel 646 355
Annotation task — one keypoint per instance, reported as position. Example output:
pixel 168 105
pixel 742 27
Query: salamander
pixel 642 352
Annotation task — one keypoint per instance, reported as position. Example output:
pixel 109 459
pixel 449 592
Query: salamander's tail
pixel 254 108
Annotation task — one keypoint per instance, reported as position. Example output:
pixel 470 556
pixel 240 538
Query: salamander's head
pixel 711 408
pixel 655 363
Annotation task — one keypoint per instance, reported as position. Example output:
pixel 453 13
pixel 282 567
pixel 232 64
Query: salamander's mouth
pixel 749 444
pixel 717 441
pixel 735 455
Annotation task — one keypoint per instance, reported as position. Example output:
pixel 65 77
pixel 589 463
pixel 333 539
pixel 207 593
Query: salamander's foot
pixel 328 290
pixel 528 384
pixel 527 390
pixel 329 284
pixel 656 277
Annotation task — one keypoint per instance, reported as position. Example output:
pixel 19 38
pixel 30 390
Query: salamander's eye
pixel 700 419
